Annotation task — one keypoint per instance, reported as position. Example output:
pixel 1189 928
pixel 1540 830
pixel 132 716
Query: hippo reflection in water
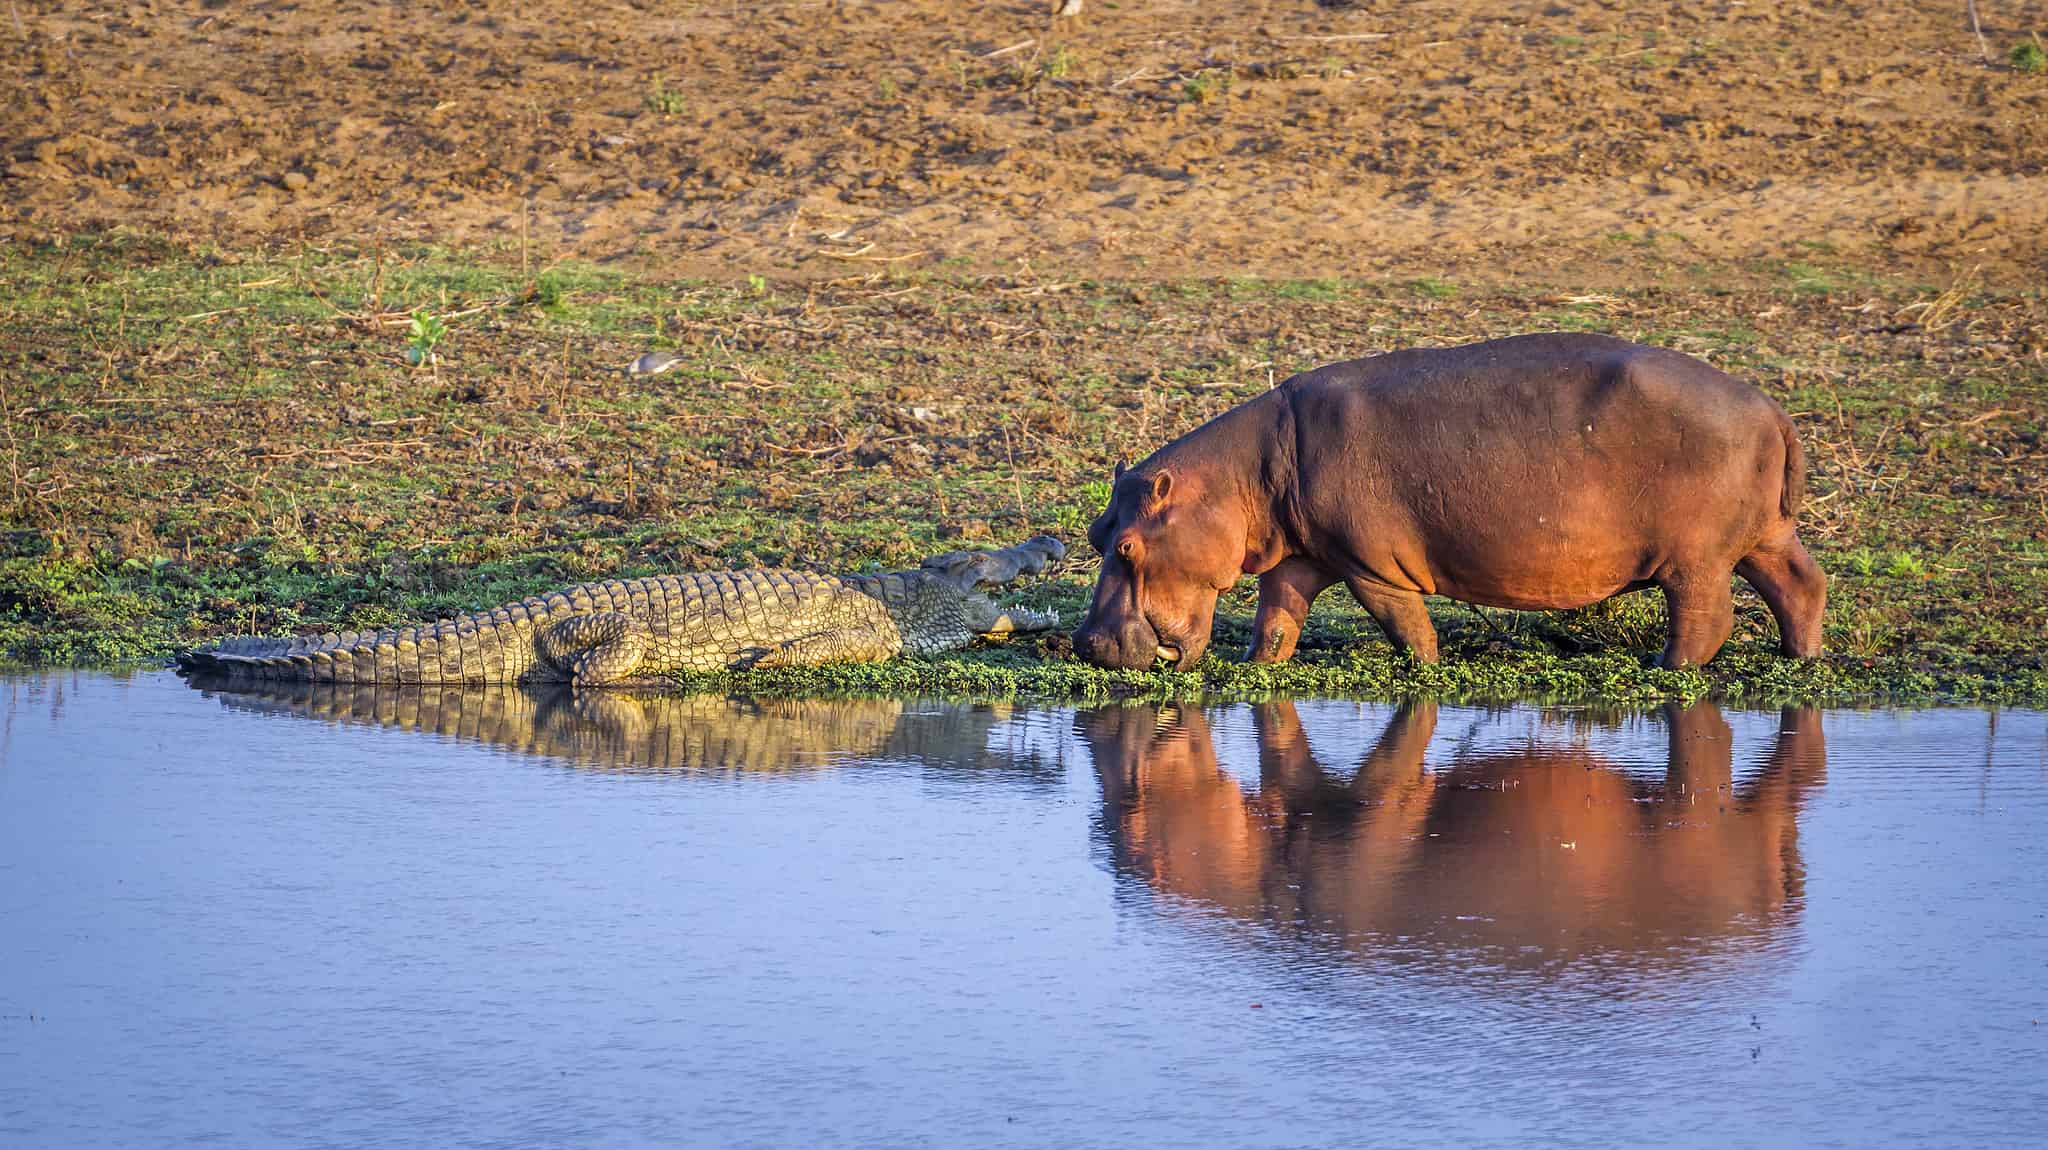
pixel 1533 856
pixel 1545 851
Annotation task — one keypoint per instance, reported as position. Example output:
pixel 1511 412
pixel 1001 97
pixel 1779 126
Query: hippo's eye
pixel 1127 549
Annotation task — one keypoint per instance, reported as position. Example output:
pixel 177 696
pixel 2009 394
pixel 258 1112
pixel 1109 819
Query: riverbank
pixel 201 442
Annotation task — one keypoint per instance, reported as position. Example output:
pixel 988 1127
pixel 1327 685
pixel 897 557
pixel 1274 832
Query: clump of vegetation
pixel 2027 56
pixel 1205 85
pixel 1906 565
pixel 424 335
pixel 1057 63
pixel 664 100
pixel 547 291
pixel 886 91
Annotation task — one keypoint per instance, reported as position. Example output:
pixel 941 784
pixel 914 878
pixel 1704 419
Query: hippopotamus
pixel 1535 472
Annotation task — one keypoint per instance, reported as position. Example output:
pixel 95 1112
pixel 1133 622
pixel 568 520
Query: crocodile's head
pixel 943 605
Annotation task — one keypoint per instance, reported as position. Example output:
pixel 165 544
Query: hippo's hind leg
pixel 1701 608
pixel 1285 595
pixel 1795 590
pixel 1401 614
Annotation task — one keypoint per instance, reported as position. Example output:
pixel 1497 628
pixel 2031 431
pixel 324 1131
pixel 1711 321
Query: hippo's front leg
pixel 1285 594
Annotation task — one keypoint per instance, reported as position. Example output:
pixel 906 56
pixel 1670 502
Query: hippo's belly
pixel 1537 530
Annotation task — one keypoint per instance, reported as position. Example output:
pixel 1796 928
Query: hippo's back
pixel 1569 451
pixel 1531 374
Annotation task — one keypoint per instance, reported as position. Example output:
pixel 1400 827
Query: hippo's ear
pixel 1162 486
pixel 1119 473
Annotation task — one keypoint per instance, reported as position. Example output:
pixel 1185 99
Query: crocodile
pixel 622 631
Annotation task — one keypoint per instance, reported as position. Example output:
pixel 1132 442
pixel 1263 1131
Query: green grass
pixel 195 443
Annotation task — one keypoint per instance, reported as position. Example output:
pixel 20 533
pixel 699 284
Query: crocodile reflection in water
pixel 634 732
pixel 1532 856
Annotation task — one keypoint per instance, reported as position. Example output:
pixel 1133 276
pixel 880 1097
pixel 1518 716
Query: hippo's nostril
pixel 1118 642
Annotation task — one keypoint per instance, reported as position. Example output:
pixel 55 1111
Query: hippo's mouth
pixel 1174 648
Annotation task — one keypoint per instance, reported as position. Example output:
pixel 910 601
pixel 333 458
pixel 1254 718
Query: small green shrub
pixel 426 333
pixel 2027 56
pixel 1073 521
pixel 664 100
pixel 1205 86
pixel 547 290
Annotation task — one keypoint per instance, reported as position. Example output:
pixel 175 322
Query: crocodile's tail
pixel 310 658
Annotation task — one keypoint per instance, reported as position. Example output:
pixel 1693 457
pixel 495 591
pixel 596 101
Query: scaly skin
pixel 621 630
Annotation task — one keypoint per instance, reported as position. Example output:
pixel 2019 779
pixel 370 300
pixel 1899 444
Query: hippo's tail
pixel 1793 493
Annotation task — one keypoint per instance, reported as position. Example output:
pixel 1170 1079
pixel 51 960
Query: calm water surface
pixel 380 918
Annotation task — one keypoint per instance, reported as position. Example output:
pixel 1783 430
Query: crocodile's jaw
pixel 991 621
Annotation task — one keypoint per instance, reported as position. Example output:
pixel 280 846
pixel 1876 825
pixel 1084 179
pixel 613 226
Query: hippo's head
pixel 1168 549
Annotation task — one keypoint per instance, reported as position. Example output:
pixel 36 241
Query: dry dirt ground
pixel 1149 139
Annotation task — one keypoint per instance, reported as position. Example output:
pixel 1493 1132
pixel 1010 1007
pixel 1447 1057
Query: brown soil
pixel 1155 138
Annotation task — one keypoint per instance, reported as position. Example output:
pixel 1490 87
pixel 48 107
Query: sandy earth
pixel 1154 138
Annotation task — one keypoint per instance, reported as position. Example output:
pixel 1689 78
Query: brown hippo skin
pixel 1539 471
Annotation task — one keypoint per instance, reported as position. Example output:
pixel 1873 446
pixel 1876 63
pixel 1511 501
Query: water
pixel 368 918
